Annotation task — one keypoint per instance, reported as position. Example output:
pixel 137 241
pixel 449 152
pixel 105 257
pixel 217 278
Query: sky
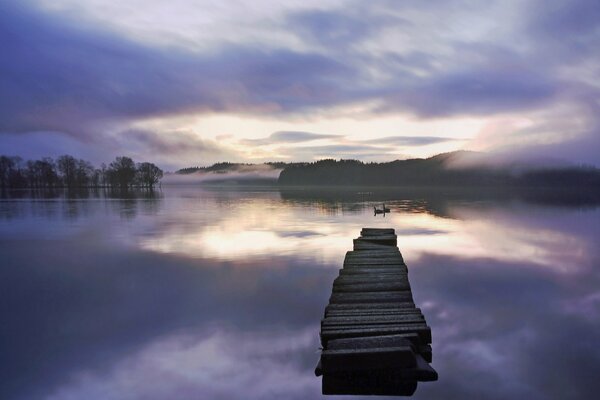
pixel 190 83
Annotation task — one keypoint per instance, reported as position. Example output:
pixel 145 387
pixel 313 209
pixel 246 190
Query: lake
pixel 217 293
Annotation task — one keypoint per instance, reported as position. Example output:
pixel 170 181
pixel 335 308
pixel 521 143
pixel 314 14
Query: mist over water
pixel 218 293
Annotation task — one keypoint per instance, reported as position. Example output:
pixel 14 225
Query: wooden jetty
pixel 375 341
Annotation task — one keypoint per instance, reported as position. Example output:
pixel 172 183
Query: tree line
pixel 433 172
pixel 67 171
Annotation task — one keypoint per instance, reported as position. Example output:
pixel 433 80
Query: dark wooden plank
pixel 401 267
pixel 370 246
pixel 422 330
pixel 372 311
pixel 426 352
pixel 366 313
pixel 375 268
pixel 424 371
pixel 365 269
pixel 370 278
pixel 373 260
pixel 376 341
pixel 359 255
pixel 377 231
pixel 388 240
pixel 353 327
pixel 366 383
pixel 370 297
pixel 398 357
pixel 392 305
pixel 382 251
pixel 373 320
pixel 392 286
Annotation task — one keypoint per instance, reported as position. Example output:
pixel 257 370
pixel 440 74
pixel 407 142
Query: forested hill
pixel 435 171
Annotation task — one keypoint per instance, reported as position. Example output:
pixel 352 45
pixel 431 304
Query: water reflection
pixel 218 293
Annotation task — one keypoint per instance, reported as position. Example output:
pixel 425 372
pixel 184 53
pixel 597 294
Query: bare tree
pixel 67 166
pixel 122 172
pixel 148 174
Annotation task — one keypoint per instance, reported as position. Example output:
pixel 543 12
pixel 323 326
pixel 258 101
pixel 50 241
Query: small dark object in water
pixel 382 210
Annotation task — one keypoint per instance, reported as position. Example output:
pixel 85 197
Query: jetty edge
pixel 374 340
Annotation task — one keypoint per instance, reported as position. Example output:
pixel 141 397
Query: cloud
pixel 82 77
pixel 410 140
pixel 480 90
pixel 175 143
pixel 331 27
pixel 189 295
pixel 289 137
pixel 72 77
pixel 364 152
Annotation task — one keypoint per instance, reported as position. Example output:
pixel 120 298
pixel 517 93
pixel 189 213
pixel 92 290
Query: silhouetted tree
pixel 41 173
pixel 16 173
pixel 70 172
pixel 67 167
pixel 6 166
pixel 83 173
pixel 122 172
pixel 148 174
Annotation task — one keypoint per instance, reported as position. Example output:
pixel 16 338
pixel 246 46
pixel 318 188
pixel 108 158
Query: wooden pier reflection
pixel 375 341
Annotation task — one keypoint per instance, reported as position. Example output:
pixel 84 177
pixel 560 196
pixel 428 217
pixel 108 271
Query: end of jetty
pixel 375 341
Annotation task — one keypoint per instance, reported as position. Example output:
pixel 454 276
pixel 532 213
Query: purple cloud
pixel 87 81
pixel 289 137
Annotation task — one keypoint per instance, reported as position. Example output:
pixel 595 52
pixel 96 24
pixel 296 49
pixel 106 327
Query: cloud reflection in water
pixel 218 294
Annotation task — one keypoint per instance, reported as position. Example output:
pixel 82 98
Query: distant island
pixel 442 170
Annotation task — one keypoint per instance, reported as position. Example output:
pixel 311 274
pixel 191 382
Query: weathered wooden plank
pixel 388 240
pixel 360 270
pixel 372 254
pixel 370 297
pixel 398 357
pixel 375 265
pixel 411 339
pixel 377 231
pixel 370 246
pixel 384 251
pixel 426 352
pixel 379 236
pixel 392 305
pixel 370 278
pixel 372 287
pixel 424 371
pixel 363 255
pixel 376 311
pixel 353 327
pixel 366 313
pixel 374 260
pixel 383 308
pixel 399 267
pixel 376 269
pixel 422 330
pixel 368 255
pixel 372 320
pixel 373 312
pixel 367 383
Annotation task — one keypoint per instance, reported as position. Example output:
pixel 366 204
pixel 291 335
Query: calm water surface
pixel 195 293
